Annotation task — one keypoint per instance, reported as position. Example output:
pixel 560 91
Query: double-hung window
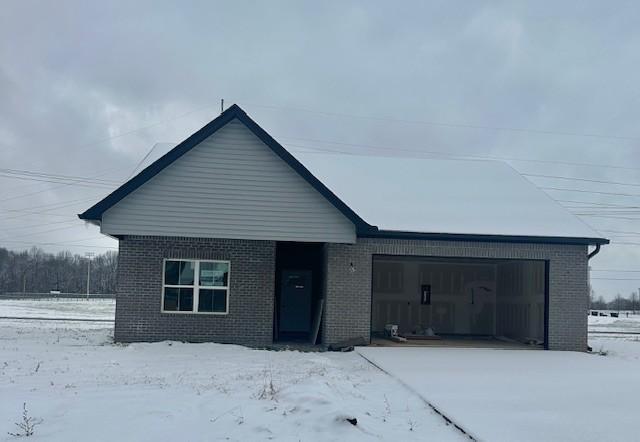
pixel 195 286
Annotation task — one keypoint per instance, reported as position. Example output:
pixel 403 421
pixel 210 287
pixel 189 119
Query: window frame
pixel 196 287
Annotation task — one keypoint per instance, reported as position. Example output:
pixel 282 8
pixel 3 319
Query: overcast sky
pixel 88 88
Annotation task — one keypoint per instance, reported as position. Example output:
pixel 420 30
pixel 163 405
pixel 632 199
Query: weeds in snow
pixel 268 390
pixel 28 424
pixel 387 409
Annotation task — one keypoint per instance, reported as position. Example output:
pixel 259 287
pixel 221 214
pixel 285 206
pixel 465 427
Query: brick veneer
pixel 139 289
pixel 347 312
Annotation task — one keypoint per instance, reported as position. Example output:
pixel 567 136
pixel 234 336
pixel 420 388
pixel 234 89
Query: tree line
pixel 38 271
pixel 632 302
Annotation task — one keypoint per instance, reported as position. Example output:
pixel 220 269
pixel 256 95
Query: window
pixel 195 286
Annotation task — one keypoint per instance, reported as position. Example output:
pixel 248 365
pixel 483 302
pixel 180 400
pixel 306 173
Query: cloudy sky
pixel 87 89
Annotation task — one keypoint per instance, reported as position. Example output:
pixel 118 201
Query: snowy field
pixel 84 387
pixel 626 323
pixel 103 309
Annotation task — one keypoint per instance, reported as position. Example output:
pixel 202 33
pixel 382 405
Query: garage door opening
pixel 428 299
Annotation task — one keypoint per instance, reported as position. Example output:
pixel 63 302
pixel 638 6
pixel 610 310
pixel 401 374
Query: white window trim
pixel 196 287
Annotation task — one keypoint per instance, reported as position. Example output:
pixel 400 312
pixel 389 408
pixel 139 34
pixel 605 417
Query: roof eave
pixel 439 236
pixel 89 219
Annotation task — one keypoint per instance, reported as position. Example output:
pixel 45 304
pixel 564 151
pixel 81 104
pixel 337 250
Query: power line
pixel 451 125
pixel 54 206
pixel 157 123
pixel 48 189
pixel 580 179
pixel 42 232
pixel 142 161
pixel 80 183
pixel 57 244
pixel 599 204
pixel 320 150
pixel 29 173
pixel 608 216
pixel 28 212
pixel 591 191
pixel 603 210
pixel 40 225
pixel 620 231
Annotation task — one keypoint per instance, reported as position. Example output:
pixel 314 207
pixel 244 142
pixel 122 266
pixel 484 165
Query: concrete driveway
pixel 520 395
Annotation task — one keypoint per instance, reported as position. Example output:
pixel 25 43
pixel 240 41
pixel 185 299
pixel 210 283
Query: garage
pixel 432 298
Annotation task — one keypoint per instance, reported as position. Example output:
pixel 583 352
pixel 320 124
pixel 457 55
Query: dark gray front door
pixel 295 301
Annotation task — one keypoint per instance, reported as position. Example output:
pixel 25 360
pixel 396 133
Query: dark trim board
pixel 546 304
pixel 392 234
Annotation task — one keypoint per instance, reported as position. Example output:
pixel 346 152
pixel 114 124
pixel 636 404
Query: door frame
pixel 298 256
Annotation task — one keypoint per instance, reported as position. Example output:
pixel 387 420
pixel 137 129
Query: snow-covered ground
pixel 103 309
pixel 84 388
pixel 626 322
pixel 527 395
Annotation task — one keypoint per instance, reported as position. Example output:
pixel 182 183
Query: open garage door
pixel 459 297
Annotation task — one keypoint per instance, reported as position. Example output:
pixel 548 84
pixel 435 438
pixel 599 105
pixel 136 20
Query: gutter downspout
pixel 589 256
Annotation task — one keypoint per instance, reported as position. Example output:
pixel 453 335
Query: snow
pixel 101 309
pixel 443 196
pixel 527 395
pixel 625 323
pixel 84 387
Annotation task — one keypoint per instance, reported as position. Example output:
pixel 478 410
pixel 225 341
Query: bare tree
pixel 38 271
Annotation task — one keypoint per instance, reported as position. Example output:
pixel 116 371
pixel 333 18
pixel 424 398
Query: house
pixel 230 238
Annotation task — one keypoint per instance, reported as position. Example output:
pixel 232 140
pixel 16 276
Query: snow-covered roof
pixel 443 196
pixel 403 195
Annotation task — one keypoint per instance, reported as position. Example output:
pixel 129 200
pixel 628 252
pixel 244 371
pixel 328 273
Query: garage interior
pixel 460 301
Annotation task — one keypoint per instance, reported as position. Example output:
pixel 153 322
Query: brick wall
pixel 139 291
pixel 347 311
pixel 348 289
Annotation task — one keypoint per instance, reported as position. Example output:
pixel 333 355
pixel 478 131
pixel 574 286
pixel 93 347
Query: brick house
pixel 230 238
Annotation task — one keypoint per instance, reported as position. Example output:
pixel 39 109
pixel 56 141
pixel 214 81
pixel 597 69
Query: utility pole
pixel 24 278
pixel 89 255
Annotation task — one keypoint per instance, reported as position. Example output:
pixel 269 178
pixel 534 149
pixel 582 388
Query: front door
pixel 295 301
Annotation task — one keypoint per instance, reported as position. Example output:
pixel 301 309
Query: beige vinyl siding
pixel 229 186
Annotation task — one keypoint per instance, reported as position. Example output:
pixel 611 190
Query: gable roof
pixel 95 212
pixel 406 197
